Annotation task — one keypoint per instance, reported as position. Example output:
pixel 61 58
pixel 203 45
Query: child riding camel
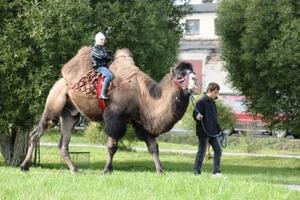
pixel 100 59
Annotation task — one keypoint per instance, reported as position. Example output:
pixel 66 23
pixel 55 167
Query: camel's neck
pixel 163 104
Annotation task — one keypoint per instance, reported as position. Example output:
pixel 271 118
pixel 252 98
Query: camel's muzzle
pixel 192 82
pixel 188 82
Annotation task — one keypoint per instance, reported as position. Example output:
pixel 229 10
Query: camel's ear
pixel 172 71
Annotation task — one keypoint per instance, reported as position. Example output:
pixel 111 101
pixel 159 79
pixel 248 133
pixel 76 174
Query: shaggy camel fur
pixel 152 108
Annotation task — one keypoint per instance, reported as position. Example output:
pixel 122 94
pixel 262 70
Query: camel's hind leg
pixel 55 103
pixel 68 120
pixel 33 139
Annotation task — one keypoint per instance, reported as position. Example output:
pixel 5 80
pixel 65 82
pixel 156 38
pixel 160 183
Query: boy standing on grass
pixel 207 129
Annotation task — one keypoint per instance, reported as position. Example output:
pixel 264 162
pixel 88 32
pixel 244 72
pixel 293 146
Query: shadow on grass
pixel 178 166
pixel 266 173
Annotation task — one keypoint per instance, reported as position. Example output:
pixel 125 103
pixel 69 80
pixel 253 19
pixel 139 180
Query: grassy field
pixel 135 178
pixel 248 144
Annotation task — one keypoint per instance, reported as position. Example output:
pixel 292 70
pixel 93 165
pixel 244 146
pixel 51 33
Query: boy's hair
pixel 212 87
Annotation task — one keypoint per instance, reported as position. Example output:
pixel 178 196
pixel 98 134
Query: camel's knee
pixel 153 148
pixel 60 142
pixel 35 135
pixel 112 148
pixel 43 125
pixel 112 145
pixel 64 152
pixel 34 138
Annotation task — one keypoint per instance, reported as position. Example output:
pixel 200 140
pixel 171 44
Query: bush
pixel 189 138
pixel 250 144
pixel 187 121
pixel 95 134
pixel 226 116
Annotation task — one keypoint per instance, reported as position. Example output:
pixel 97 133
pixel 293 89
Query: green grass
pixel 135 178
pixel 266 145
pixel 53 135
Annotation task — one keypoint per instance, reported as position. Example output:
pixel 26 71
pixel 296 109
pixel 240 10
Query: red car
pixel 245 121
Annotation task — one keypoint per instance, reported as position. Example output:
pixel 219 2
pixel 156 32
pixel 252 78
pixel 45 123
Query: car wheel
pixel 297 136
pixel 232 131
pixel 280 133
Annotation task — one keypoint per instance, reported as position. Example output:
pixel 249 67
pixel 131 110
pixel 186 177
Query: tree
pixel 261 48
pixel 226 116
pixel 150 29
pixel 38 37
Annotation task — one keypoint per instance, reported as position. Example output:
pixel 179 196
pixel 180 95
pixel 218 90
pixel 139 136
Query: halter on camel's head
pixel 184 77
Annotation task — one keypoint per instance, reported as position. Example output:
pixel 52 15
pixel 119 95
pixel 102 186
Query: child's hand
pixel 199 116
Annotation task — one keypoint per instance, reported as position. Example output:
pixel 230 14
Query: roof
pixel 186 45
pixel 204 8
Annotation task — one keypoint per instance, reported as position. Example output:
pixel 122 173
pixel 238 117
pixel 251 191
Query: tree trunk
pixel 13 147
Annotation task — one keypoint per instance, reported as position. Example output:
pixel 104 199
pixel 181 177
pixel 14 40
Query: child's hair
pixel 212 87
pixel 99 36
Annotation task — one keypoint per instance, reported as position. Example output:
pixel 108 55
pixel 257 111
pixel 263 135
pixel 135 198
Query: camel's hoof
pixel 107 171
pixel 160 171
pixel 74 171
pixel 24 168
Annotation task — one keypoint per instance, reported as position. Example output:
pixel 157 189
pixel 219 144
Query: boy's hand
pixel 199 116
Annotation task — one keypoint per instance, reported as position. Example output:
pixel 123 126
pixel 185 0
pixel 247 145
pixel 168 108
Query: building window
pixel 215 26
pixel 209 1
pixel 192 26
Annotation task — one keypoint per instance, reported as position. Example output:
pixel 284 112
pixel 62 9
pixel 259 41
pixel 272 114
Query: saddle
pixel 82 78
pixel 91 84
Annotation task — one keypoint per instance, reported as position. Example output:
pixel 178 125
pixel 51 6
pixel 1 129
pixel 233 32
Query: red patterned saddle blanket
pixel 91 85
pixel 88 84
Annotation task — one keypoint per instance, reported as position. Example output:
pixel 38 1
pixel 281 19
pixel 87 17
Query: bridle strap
pixel 179 82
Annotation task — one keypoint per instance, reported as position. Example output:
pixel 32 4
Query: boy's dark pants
pixel 202 146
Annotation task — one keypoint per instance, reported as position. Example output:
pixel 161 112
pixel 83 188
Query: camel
pixel 152 108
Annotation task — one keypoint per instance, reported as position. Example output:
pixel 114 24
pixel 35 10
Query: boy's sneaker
pixel 218 175
pixel 197 173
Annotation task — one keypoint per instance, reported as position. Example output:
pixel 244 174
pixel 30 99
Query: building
pixel 201 47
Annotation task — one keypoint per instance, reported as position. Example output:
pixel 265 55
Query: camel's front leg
pixel 115 128
pixel 151 143
pixel 112 147
pixel 153 150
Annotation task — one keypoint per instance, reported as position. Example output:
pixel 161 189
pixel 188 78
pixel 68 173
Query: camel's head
pixel 184 76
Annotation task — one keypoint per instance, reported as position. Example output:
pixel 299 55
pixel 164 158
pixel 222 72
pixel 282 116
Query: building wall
pixel 215 72
pixel 201 47
pixel 206 26
pixel 179 2
pixel 208 71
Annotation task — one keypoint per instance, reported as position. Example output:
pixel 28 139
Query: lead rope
pixel 222 136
